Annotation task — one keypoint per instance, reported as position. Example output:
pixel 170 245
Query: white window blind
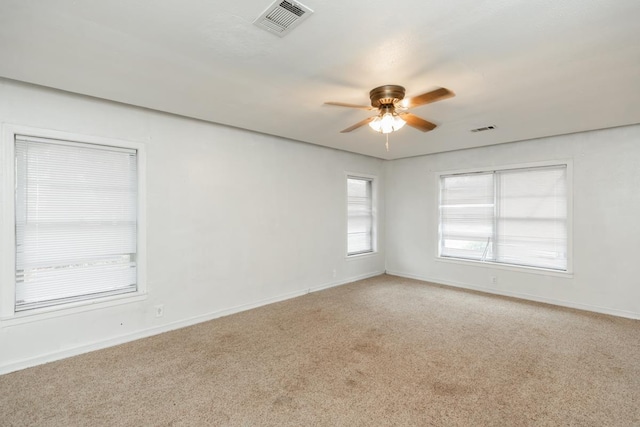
pixel 359 215
pixel 514 216
pixel 76 221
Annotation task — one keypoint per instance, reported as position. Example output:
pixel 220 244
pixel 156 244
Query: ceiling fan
pixel 392 109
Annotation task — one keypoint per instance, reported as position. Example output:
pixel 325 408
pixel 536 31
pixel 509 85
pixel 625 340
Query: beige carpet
pixel 383 351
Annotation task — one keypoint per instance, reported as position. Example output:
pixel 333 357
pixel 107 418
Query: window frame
pixel 8 313
pixel 374 214
pixel 498 265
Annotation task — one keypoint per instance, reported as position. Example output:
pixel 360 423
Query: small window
pixel 360 219
pixel 76 221
pixel 511 216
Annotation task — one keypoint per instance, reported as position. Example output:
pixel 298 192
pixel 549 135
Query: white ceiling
pixel 532 68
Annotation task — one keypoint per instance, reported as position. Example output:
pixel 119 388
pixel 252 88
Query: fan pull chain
pixel 387 143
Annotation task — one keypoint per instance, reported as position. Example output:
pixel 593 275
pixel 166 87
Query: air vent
pixel 282 17
pixel 483 129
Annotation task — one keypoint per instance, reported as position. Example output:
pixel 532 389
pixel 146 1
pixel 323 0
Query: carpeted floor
pixel 382 351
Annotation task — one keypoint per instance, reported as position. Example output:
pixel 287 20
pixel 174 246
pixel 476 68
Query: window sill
pixel 517 268
pixel 362 255
pixel 45 313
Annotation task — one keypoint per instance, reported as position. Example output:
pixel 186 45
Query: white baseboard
pixel 101 344
pixel 552 301
pixel 345 281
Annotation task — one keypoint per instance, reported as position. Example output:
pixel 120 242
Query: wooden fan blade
pixel 344 104
pixel 427 98
pixel 417 122
pixel 359 124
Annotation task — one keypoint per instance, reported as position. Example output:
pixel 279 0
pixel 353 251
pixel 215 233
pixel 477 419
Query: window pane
pixel 359 216
pixel 532 218
pixel 466 216
pixel 76 221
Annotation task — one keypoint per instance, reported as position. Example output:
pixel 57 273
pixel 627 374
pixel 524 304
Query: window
pixel 76 221
pixel 510 216
pixel 360 219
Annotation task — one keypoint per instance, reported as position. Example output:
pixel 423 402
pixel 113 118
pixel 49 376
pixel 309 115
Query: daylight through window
pixel 360 221
pixel 76 226
pixel 512 216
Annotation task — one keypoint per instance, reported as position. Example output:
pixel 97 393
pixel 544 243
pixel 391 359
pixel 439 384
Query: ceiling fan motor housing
pixel 386 95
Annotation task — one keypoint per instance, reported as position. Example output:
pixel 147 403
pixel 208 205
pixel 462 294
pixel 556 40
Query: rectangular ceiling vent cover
pixel 282 17
pixel 482 129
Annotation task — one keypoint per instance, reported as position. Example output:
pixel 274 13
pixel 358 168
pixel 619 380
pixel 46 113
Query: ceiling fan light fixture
pixel 398 122
pixel 387 123
pixel 375 124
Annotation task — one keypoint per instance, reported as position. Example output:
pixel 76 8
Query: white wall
pixel 234 219
pixel 606 228
pixel 237 219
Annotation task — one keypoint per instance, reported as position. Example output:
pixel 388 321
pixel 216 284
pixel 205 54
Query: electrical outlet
pixel 334 273
pixel 494 279
pixel 159 310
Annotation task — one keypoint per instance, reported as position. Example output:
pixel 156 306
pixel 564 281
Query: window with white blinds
pixel 360 221
pixel 76 221
pixel 511 216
